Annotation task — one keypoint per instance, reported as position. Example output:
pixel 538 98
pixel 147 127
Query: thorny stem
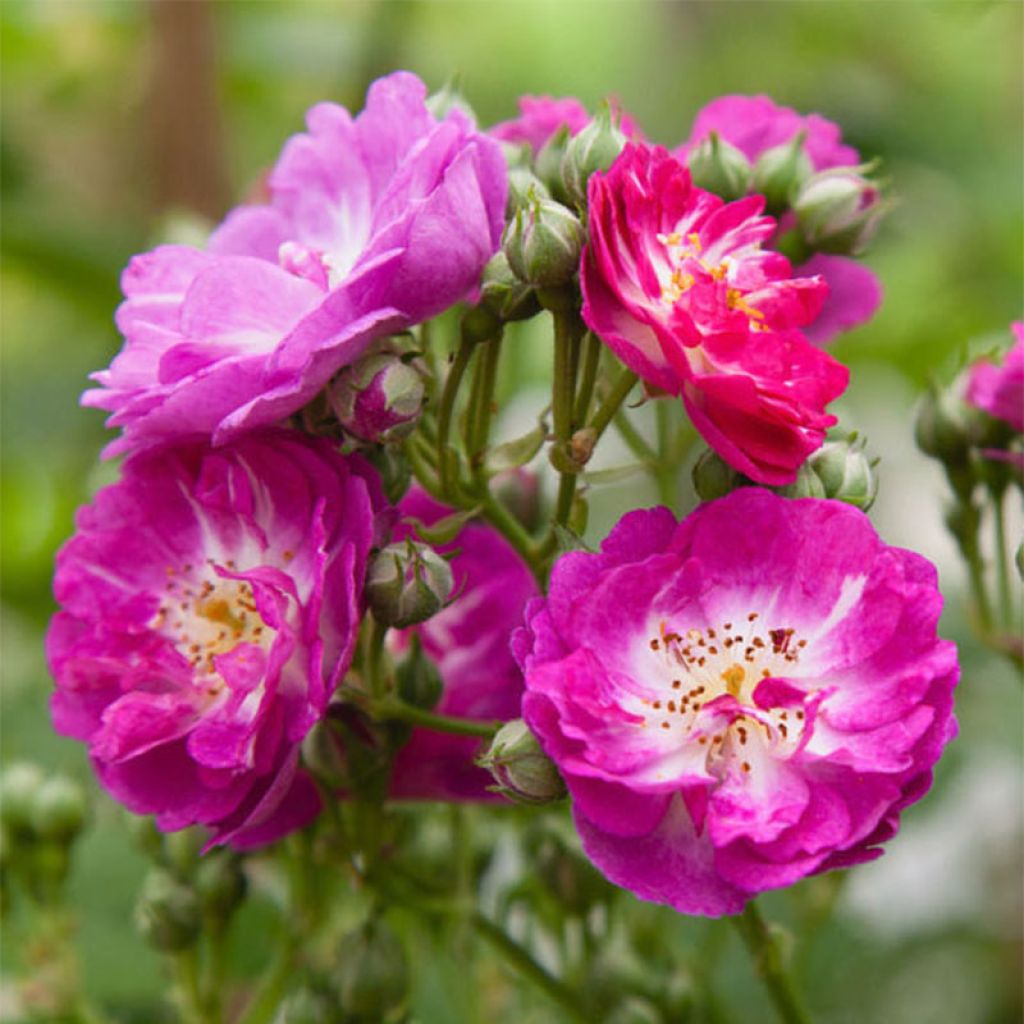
pixel 764 951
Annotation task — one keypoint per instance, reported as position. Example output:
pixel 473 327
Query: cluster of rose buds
pixel 262 614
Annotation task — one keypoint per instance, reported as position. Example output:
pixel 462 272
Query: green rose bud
pixel 943 427
pixel 19 784
pixel 220 883
pixel 719 167
pixel 59 809
pixel 449 98
pixel 713 477
pixel 523 188
pixel 167 913
pixel 372 976
pixel 419 682
pixel 838 210
pixel 806 484
pixel 592 149
pixel 845 472
pixel 522 770
pixel 406 583
pixel 543 243
pixel 504 295
pixel 548 164
pixel 780 171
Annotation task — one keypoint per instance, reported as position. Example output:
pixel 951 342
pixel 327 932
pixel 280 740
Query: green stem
pixel 1002 557
pixel 374 655
pixel 186 969
pixel 609 406
pixel 634 439
pixel 522 961
pixel 265 1002
pixel 480 429
pixel 395 709
pixel 213 977
pixel 764 951
pixel 446 410
pixel 591 362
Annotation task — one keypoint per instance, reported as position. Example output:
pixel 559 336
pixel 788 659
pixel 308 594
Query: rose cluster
pixel 734 700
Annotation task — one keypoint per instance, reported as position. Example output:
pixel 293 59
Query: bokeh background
pixel 127 123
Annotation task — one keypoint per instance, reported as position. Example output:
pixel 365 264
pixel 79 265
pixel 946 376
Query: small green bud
pixel 393 468
pixel 49 862
pixel 713 477
pixel 147 837
pixel 372 976
pixel 780 171
pixel 59 809
pixel 480 323
pixel 220 883
pixel 167 913
pixel 406 583
pixel 449 98
pixel 806 484
pixel 19 785
pixel 845 472
pixel 543 243
pixel 838 210
pixel 719 167
pixel 592 149
pixel 522 770
pixel 419 682
pixel 504 295
pixel 548 164
pixel 182 849
pixel 523 188
pixel 943 426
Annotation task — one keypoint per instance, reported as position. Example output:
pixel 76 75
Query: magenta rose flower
pixel 755 123
pixel 741 699
pixel 677 282
pixel 375 223
pixel 469 643
pixel 210 604
pixel 999 389
pixel 541 116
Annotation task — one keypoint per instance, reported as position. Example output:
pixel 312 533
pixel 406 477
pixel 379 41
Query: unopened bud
pixel 713 477
pixel 943 426
pixel 719 167
pixel 449 98
pixel 372 976
pixel 379 397
pixel 523 187
pixel 504 294
pixel 19 785
pixel 548 163
pixel 419 682
pixel 780 171
pixel 220 883
pixel 838 210
pixel 167 913
pixel 522 770
pixel 392 467
pixel 806 484
pixel 543 243
pixel 407 583
pixel 182 849
pixel 518 490
pixel 845 472
pixel 593 149
pixel 59 809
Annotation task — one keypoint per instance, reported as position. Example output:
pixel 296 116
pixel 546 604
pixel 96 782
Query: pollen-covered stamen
pixel 206 615
pixel 700 665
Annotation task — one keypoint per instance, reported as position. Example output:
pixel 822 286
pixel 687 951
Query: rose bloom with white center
pixel 740 699
pixel 210 604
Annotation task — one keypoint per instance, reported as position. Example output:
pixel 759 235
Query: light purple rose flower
pixel 210 604
pixel 375 223
pixel 469 643
pixel 755 123
pixel 741 699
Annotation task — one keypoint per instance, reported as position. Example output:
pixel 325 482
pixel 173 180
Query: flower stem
pixel 395 709
pixel 1002 558
pixel 591 362
pixel 446 410
pixel 609 406
pixel 767 957
pixel 522 961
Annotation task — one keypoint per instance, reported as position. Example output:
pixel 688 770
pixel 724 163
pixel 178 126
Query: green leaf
pixel 517 452
pixel 444 530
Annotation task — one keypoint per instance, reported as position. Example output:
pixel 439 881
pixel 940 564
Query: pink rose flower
pixel 999 390
pixel 469 644
pixel 210 605
pixel 741 699
pixel 677 283
pixel 541 116
pixel 755 123
pixel 375 223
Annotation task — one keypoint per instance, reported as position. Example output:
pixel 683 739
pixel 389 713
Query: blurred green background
pixel 119 117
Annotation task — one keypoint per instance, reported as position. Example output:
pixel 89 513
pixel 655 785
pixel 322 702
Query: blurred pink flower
pixel 541 116
pixel 999 390
pixel 741 699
